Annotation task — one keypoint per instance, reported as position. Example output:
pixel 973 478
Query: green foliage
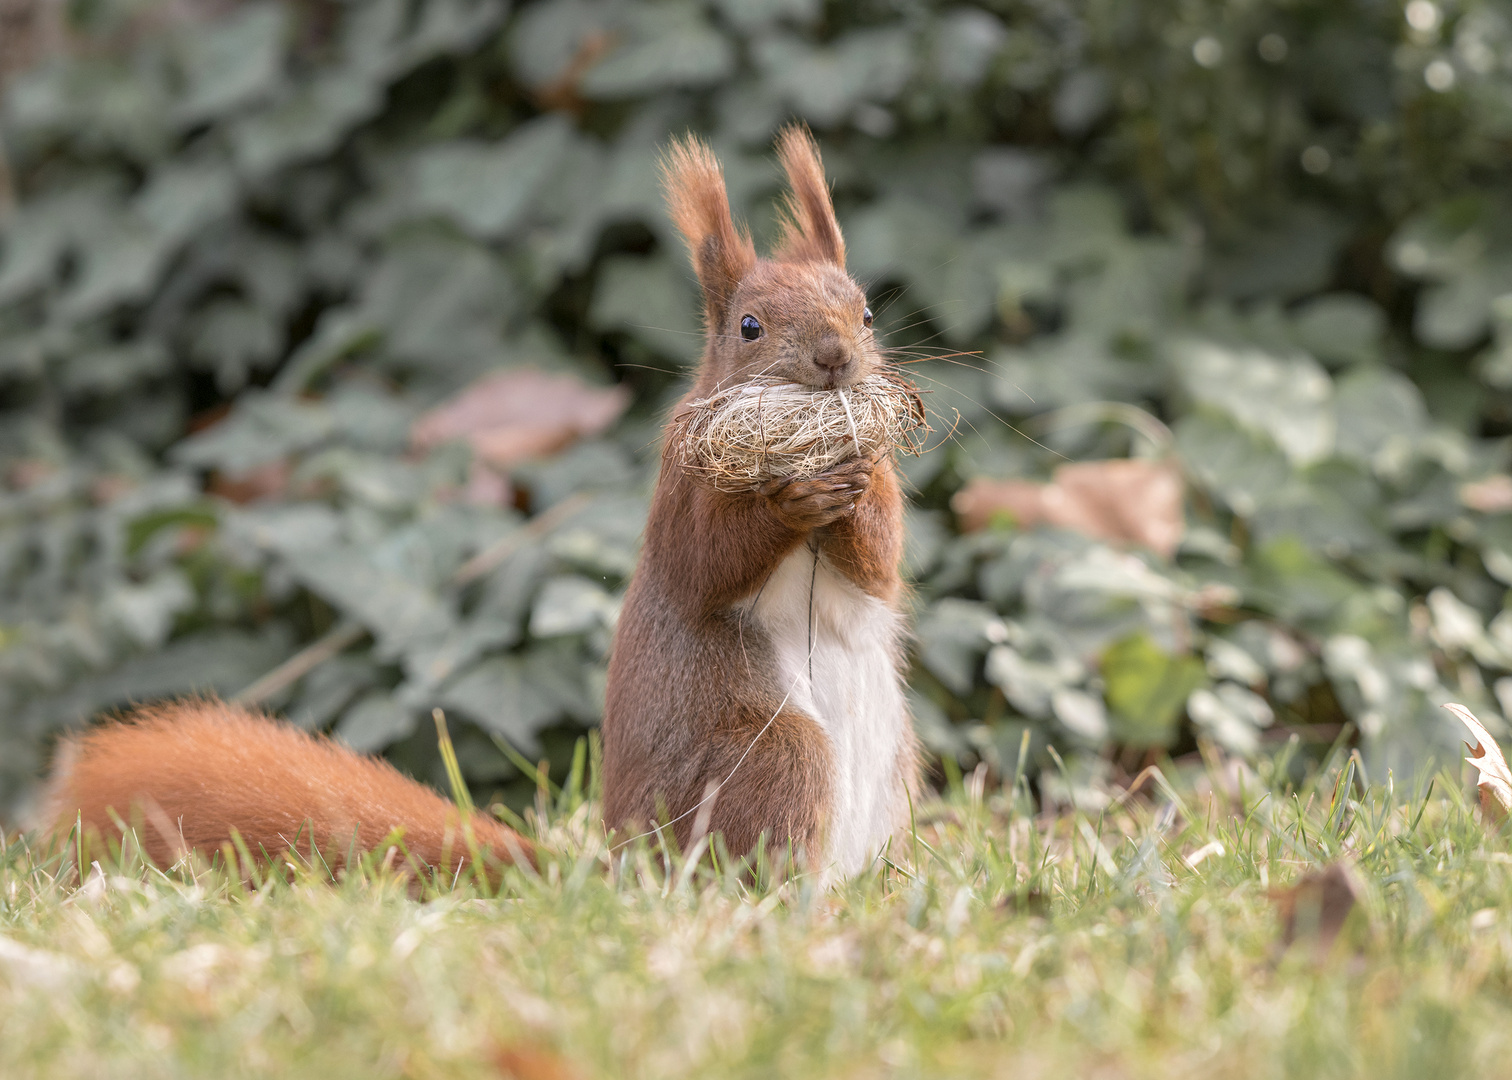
pixel 249 251
pixel 1148 689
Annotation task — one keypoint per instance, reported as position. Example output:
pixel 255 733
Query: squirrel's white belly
pixel 837 654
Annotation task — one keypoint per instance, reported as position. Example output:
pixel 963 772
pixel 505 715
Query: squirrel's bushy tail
pixel 188 774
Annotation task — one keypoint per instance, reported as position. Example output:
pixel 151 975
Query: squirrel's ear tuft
pixel 809 229
pixel 700 208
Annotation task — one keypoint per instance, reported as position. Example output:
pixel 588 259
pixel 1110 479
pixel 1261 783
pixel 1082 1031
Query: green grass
pixel 997 943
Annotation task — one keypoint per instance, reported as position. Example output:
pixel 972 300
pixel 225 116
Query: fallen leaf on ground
pixel 1123 501
pixel 524 1061
pixel 1495 780
pixel 1316 907
pixel 514 415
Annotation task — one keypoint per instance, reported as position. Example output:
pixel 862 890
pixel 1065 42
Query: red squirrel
pixel 754 685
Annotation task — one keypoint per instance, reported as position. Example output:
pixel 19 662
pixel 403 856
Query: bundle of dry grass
pixel 769 429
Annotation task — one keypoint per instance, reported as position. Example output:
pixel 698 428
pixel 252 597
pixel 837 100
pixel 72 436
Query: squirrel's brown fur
pixel 187 774
pixel 693 683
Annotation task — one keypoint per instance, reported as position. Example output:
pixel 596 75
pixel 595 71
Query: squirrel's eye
pixel 866 316
pixel 750 329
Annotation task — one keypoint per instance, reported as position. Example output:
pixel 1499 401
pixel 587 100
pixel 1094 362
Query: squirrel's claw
pixel 820 500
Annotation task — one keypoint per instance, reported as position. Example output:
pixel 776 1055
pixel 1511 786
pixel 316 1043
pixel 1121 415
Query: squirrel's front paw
pixel 826 498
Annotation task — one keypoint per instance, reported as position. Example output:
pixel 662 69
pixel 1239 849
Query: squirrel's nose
pixel 831 355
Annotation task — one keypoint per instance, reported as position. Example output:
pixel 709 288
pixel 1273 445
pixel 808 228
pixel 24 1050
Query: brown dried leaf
pixel 1123 501
pixel 268 481
pixel 1316 907
pixel 526 1061
pixel 981 500
pixel 1495 780
pixel 1492 495
pixel 1032 902
pixel 513 415
pixel 29 472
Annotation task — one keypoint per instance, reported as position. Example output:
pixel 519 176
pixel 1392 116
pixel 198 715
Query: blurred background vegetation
pixel 335 336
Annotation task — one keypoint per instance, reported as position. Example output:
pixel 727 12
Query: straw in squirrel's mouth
pixel 768 429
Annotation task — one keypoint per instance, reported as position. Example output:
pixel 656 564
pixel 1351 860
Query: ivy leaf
pixel 312 120
pixel 1447 246
pixel 827 83
pixel 1147 689
pixel 100 372
pixel 571 604
pixel 1243 468
pixel 1290 255
pixel 1034 687
pixel 264 428
pixel 36 238
pixel 440 302
pixel 1289 398
pixel 1341 328
pixel 328 689
pixel 1382 418
pixel 121 261
pixel 146 611
pixel 650 300
pixel 231 62
pixel 1065 369
pixel 1083 714
pixel 500 696
pixel 1139 283
pixel 1295 583
pixel 233 338
pixel 376 721
pixel 1232 715
pixel 664 47
pixel 967 40
pixel 486 189
pixel 219 661
pixel 400 613
pixel 1453 315
pixel 182 198
pixel 952 638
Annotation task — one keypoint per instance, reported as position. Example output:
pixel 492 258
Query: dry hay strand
pixel 770 429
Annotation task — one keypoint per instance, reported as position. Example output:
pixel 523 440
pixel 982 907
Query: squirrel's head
pixel 798 315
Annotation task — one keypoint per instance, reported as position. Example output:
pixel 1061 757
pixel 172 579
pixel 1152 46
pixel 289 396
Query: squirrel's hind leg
pixel 764 774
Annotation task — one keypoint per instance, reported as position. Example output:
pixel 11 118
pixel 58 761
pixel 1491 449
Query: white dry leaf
pixel 1495 779
pixel 34 968
pixel 1195 859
